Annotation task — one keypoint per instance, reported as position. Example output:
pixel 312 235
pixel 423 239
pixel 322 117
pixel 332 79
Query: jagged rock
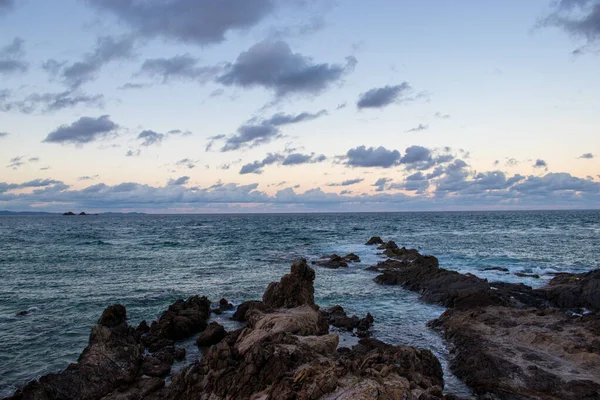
pixel 575 290
pixel 112 359
pixel 391 245
pixel 158 364
pixel 501 269
pixel 240 313
pixel 374 240
pixel 211 335
pixel 181 320
pixel 224 305
pixel 333 261
pixel 352 257
pixel 294 289
pixel 524 275
pixel 336 316
pixel 525 353
pixel 144 388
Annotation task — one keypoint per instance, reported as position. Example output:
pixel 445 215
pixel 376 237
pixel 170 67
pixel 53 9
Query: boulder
pixel 211 335
pixel 336 316
pixel 575 290
pixel 242 309
pixel 294 289
pixel 374 240
pixel 333 261
pixel 501 269
pixel 352 257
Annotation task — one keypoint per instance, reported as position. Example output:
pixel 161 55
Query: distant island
pixel 41 213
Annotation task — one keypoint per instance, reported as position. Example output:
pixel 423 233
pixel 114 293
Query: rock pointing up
pixel 294 289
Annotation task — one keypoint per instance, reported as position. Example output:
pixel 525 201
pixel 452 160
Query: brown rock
pixel 294 289
pixel 211 335
pixel 374 240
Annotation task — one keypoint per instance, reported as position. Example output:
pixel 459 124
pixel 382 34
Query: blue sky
pixel 302 105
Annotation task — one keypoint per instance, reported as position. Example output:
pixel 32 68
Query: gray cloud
pixel 347 182
pixel 187 163
pixel 10 57
pixel 88 178
pixel 49 102
pixel 131 85
pixel 256 132
pixel 381 183
pixel 6 6
pixel 540 164
pixel 577 17
pixel 133 153
pixel 150 137
pixel 588 156
pixel 384 96
pixel 256 166
pixel 182 180
pixel 4 134
pixel 108 49
pixel 372 157
pixel 84 130
pixel 188 21
pixel 441 116
pixel 419 128
pixel 273 66
pixel 184 67
pixel 299 158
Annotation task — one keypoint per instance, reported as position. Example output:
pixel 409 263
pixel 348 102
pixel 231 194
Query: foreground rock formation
pixel 510 341
pixel 284 352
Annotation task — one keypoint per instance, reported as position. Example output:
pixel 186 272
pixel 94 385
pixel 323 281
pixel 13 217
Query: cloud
pixel 49 102
pixel 179 181
pixel 188 21
pixel 133 153
pixel 298 158
pixel 348 182
pixel 256 166
pixel 10 57
pixel 511 162
pixel 372 157
pixel 88 178
pixel 381 183
pixel 256 132
pixel 84 130
pixel 150 137
pixel 441 116
pixel 588 156
pixel 419 128
pixel 131 85
pixel 540 164
pixel 383 96
pixel 6 6
pixel 183 67
pixel 108 49
pixel 272 65
pixel 580 18
pixel 4 134
pixel 187 163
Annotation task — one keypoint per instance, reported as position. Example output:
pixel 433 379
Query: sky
pixel 211 106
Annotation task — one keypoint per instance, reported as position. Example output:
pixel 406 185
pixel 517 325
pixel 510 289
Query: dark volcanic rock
pixel 374 240
pixel 524 275
pixel 294 289
pixel 336 316
pixel 224 305
pixel 82 213
pixel 525 353
pixel 211 335
pixel 501 269
pixel 352 257
pixel 113 358
pixel 575 290
pixel 69 213
pixel 245 307
pixel 333 261
pixel 181 320
pixel 391 245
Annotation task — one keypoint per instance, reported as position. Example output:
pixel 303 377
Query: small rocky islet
pixel 508 341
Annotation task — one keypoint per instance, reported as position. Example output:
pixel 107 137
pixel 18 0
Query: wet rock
pixel 211 335
pixel 224 305
pixel 112 359
pixel 143 388
pixel 575 290
pixel 524 353
pixel 336 316
pixel 245 307
pixel 22 313
pixel 333 261
pixel 374 240
pixel 391 245
pixel 294 289
pixel 143 327
pixel 501 269
pixel 352 257
pixel 158 364
pixel 179 353
pixel 182 319
pixel 524 275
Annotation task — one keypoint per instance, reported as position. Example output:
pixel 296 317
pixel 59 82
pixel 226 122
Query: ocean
pixel 66 270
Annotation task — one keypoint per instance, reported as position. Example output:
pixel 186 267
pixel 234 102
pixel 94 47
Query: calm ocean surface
pixel 66 270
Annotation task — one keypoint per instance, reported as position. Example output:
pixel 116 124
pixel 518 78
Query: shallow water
pixel 66 270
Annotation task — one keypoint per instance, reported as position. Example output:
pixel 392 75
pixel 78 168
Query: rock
pixel 112 359
pixel 391 245
pixel 501 269
pixel 294 289
pixel 179 353
pixel 143 327
pixel 374 240
pixel 82 213
pixel 575 290
pixel 333 261
pixel 524 275
pixel 158 364
pixel 352 257
pixel 336 316
pixel 69 213
pixel 524 353
pixel 22 313
pixel 224 305
pixel 211 335
pixel 182 319
pixel 240 313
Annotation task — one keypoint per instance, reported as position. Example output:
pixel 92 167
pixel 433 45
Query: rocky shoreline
pixel 509 341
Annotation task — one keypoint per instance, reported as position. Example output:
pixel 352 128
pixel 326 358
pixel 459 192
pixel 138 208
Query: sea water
pixel 66 270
